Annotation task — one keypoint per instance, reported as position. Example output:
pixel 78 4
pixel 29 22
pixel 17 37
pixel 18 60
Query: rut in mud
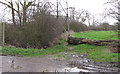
pixel 88 65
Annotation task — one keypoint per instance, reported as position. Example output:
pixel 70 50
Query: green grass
pixel 34 52
pixel 98 35
pixel 97 53
pixel 30 52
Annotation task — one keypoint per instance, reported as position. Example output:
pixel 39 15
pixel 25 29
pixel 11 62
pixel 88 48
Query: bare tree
pixel 9 4
pixel 115 10
pixel 25 6
pixel 88 17
pixel 18 11
pixel 83 15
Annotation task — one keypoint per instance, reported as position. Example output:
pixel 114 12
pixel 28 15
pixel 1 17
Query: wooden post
pixel 3 34
pixel 57 9
pixel 0 34
pixel 68 18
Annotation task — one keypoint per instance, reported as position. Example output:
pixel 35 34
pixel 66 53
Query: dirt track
pixel 77 63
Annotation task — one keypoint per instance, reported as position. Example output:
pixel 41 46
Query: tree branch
pixel 8 6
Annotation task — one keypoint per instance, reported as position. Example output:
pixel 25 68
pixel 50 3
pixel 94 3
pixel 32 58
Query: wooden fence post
pixel 0 34
pixel 3 34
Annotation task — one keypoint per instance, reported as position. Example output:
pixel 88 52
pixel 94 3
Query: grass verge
pixel 11 50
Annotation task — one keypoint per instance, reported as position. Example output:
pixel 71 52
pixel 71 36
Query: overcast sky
pixel 96 7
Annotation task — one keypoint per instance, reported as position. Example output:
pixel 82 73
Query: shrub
pixel 37 34
pixel 77 26
pixel 104 26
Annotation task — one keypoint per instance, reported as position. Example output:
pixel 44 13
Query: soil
pixel 81 62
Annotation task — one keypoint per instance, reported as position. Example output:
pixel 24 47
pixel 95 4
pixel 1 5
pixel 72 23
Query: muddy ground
pixel 76 63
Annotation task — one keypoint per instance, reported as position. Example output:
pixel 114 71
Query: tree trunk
pixel 20 18
pixel 24 15
pixel 76 41
pixel 13 14
pixel 18 12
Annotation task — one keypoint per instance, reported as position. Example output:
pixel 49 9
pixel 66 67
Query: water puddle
pixel 75 69
pixel 78 63
pixel 31 64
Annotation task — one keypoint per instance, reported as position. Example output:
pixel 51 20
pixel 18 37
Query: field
pixel 98 35
pixel 97 53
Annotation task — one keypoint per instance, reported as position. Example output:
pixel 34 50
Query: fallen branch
pixel 76 41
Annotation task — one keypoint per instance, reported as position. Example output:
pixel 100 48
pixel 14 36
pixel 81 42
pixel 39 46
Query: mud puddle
pixel 31 64
pixel 76 63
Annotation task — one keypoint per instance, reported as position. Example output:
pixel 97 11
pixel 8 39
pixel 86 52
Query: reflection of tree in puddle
pixel 13 65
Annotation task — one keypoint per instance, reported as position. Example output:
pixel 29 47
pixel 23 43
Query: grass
pixel 98 35
pixel 97 53
pixel 11 50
